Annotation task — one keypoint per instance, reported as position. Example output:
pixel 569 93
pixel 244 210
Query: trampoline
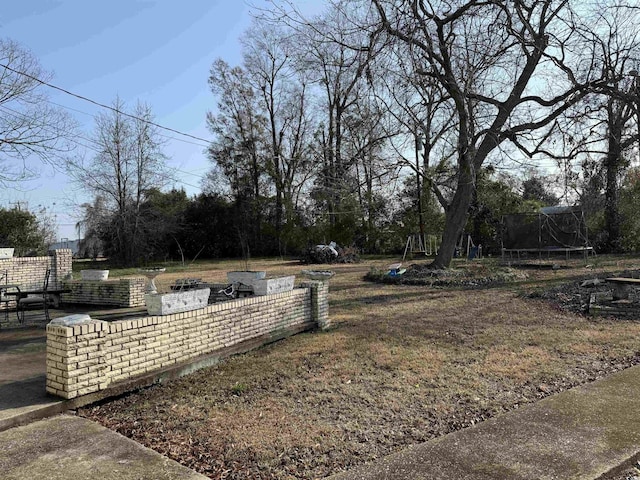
pixel 553 230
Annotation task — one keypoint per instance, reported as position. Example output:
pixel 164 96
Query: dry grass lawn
pixel 401 365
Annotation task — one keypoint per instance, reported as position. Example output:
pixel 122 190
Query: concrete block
pixel 270 286
pixel 170 303
pixel 245 277
pixel 94 275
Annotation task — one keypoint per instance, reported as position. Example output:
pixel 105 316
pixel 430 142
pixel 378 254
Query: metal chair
pixel 4 299
pixel 40 298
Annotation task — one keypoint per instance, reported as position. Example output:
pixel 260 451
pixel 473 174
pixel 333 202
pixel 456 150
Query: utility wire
pixel 94 117
pixel 86 99
pixel 95 146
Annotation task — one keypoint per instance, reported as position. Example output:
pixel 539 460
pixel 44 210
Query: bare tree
pixel 127 165
pixel 283 95
pixel 423 122
pixel 504 66
pixel 238 149
pixel 336 55
pixel 94 218
pixel 612 118
pixel 29 124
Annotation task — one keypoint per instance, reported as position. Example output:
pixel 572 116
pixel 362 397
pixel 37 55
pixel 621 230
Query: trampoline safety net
pixel 544 231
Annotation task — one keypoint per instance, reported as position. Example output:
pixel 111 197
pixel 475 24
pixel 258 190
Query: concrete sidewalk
pixel 64 447
pixel 34 446
pixel 578 434
pixel 22 377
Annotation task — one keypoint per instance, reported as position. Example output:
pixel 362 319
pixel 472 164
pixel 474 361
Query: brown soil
pixel 401 365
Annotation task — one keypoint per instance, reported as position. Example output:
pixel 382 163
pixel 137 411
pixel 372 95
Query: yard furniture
pixel 186 284
pixel 34 298
pixel 37 297
pixel 4 298
pixel 321 275
pixel 395 269
pixel 235 290
pixel 151 274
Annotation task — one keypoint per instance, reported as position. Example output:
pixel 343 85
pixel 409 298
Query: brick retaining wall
pixel 121 292
pixel 95 356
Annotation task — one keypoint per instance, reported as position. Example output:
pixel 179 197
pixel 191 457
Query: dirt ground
pixel 402 364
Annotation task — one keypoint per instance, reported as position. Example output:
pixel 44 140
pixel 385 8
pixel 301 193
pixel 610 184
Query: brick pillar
pixel 135 289
pixel 61 267
pixel 319 303
pixel 76 358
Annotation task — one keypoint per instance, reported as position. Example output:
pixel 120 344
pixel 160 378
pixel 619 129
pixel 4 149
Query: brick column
pixel 61 267
pixel 135 291
pixel 319 303
pixel 76 358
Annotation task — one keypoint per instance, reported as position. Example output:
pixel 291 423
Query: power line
pixel 96 146
pixel 94 117
pixel 81 97
pixel 86 99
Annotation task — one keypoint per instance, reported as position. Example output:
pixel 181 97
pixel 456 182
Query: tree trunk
pixel 456 218
pixel 613 164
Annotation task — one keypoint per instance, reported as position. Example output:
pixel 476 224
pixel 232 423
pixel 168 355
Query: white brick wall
pixel 122 292
pixel 29 272
pixel 87 358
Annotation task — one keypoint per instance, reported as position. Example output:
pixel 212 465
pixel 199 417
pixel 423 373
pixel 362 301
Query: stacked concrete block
pixel 61 266
pixel 319 302
pixel 29 272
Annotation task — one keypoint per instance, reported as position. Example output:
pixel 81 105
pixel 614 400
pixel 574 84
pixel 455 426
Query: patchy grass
pixel 401 365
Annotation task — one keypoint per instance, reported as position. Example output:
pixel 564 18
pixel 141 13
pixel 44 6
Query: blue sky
pixel 156 51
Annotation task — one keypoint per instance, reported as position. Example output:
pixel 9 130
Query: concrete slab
pixel 578 434
pixel 24 400
pixel 23 396
pixel 66 447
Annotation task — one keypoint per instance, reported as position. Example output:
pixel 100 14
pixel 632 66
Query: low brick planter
pixel 121 292
pixel 92 356
pixel 604 304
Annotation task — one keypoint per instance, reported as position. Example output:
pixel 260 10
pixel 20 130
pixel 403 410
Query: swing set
pixel 429 245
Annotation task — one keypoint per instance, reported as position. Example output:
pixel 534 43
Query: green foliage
pixel 163 215
pixel 239 388
pixel 495 197
pixel 128 166
pixel 629 201
pixel 20 230
pixel 534 189
pixel 210 228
